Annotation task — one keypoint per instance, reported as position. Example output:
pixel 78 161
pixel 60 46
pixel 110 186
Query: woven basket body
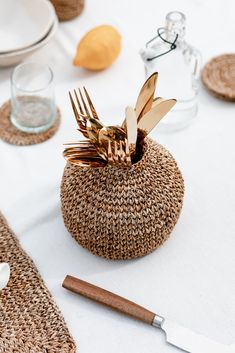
pixel 123 213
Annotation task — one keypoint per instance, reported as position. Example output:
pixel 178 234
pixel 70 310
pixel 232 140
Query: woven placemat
pixel 68 9
pixel 30 321
pixel 218 75
pixel 10 134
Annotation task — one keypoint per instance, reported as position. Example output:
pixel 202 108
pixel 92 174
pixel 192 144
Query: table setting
pixel 117 176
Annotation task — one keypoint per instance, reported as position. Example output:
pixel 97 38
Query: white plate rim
pixel 40 36
pixel 35 46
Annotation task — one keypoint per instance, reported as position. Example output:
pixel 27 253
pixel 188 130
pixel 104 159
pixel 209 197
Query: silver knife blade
pixel 191 342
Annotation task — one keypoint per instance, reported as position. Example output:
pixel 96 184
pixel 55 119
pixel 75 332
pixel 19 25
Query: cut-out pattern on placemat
pixel 218 75
pixel 30 321
pixel 10 134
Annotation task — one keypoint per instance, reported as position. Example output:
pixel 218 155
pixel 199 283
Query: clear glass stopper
pixel 175 24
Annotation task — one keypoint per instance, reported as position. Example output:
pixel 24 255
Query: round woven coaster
pixel 68 9
pixel 218 75
pixel 10 134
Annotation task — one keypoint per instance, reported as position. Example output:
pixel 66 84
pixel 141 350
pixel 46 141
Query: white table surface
pixel 191 278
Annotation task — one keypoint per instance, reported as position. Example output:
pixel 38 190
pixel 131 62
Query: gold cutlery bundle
pixel 115 145
pixel 129 208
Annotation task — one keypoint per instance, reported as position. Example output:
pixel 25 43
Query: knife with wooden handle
pixel 176 335
pixel 109 299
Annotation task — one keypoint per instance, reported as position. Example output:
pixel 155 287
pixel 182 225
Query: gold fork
pixel 118 153
pixel 83 147
pixel 92 108
pixel 87 117
pixel 87 110
pixel 82 155
pixel 83 114
pixel 80 121
pixel 88 162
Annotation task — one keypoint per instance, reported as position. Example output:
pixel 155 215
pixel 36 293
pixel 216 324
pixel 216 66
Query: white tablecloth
pixel 191 278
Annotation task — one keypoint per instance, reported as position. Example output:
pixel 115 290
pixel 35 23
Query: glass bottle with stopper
pixel 179 64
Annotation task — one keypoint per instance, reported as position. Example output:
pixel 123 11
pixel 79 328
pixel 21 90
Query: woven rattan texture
pixel 30 321
pixel 68 9
pixel 218 75
pixel 123 213
pixel 10 134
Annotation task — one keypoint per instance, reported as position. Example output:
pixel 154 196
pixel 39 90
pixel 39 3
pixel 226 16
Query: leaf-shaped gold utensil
pixel 145 98
pixel 156 101
pixel 152 118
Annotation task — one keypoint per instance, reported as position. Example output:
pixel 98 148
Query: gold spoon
pixel 113 133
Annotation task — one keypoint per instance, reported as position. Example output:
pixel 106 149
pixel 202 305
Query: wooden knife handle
pixel 105 297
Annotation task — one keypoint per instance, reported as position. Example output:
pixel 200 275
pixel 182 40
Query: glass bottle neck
pixel 175 26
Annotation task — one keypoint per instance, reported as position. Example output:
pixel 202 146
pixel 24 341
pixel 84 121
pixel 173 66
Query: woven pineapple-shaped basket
pixel 123 213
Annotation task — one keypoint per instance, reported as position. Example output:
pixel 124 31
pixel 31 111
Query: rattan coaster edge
pixel 218 76
pixel 10 134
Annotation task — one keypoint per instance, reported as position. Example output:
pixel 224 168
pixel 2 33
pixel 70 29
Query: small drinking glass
pixel 32 97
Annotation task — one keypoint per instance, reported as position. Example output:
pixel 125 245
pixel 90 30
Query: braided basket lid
pixel 123 213
pixel 218 75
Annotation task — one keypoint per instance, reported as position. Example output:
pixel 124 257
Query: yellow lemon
pixel 99 48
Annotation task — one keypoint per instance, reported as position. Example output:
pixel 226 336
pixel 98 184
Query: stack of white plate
pixel 25 26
